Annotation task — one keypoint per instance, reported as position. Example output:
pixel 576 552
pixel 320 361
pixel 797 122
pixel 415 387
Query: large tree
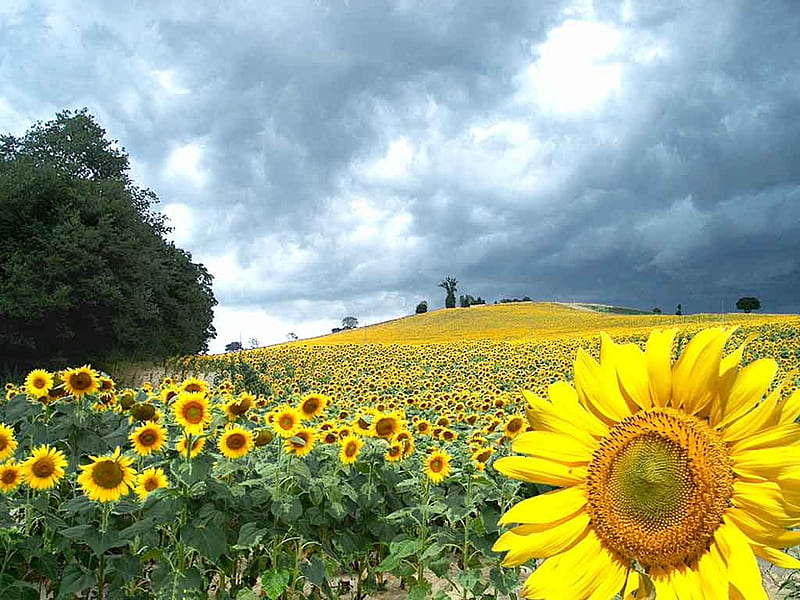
pixel 450 285
pixel 86 273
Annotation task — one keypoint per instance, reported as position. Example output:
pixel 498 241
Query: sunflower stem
pixel 625 583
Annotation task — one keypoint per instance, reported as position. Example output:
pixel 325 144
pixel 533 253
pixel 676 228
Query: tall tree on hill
pixel 86 273
pixel 450 286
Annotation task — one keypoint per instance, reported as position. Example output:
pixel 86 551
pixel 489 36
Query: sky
pixel 337 158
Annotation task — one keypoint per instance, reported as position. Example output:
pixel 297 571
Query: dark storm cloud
pixel 335 157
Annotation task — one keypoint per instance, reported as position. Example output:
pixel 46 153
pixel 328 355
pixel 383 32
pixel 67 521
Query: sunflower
pixel 262 438
pixel 193 385
pixel 148 438
pixel 8 443
pixel 107 478
pixel 44 468
pixel 192 412
pixel 437 466
pixel 38 383
pixel 394 453
pixel 236 442
pixel 198 444
pixel 80 381
pixel 423 427
pixel 10 477
pixel 286 421
pixel 682 469
pixel 351 446
pixel 312 405
pixel 301 443
pixel 386 426
pixel 514 426
pixel 237 407
pixel 149 480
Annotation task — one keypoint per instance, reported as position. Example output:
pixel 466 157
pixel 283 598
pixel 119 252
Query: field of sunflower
pixel 443 448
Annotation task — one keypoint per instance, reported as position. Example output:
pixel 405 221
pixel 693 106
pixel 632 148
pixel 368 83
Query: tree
pixel 233 347
pixel 253 342
pixel 450 286
pixel 349 323
pixel 656 310
pixel 679 310
pixel 291 336
pixel 86 274
pixel 422 307
pixel 748 303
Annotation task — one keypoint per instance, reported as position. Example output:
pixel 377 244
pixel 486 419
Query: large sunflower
pixel 681 470
pixel 437 466
pixel 148 438
pixel 107 478
pixel 10 477
pixel 80 381
pixel 44 468
pixel 351 447
pixel 38 383
pixel 192 412
pixel 236 442
pixel 301 443
pixel 8 443
pixel 149 480
pixel 286 421
pixel 312 405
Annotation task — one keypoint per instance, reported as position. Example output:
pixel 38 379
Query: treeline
pixel 86 271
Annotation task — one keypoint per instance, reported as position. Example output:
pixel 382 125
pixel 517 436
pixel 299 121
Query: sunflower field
pixel 348 468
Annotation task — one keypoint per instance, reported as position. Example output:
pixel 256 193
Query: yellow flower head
pixel 198 443
pixel 107 478
pixel 148 438
pixel 192 412
pixel 301 443
pixel 285 421
pixel 8 443
pixel 351 446
pixel 239 406
pixel 149 480
pixel 437 466
pixel 313 405
pixel 514 426
pixel 38 383
pixel 44 468
pixel 10 477
pixel 194 385
pixel 685 468
pixel 80 381
pixel 235 442
pixel 394 452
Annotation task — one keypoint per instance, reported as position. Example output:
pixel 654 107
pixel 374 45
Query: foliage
pixel 468 300
pixel 450 286
pixel 349 323
pixel 748 304
pixel 679 310
pixel 656 310
pixel 234 346
pixel 422 307
pixel 507 300
pixel 85 272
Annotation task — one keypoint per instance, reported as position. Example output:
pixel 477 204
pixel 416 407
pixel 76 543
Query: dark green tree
pixel 422 307
pixel 748 303
pixel 679 310
pixel 349 323
pixel 656 310
pixel 450 286
pixel 85 271
pixel 233 347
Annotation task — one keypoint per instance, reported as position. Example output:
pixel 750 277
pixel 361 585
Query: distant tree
pixel 253 342
pixel 291 336
pixel 656 310
pixel 422 307
pixel 748 303
pixel 467 300
pixel 526 298
pixel 336 330
pixel 479 300
pixel 233 347
pixel 450 285
pixel 679 310
pixel 349 323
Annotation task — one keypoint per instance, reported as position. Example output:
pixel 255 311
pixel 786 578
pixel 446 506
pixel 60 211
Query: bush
pixel 422 307
pixel 748 303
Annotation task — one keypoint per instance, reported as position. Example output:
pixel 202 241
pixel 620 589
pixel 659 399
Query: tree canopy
pixel 450 285
pixel 86 273
pixel 748 304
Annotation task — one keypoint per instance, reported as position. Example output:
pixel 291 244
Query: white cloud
pixel 186 162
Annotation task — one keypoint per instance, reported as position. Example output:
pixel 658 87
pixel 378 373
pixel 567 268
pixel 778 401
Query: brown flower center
pixel 80 381
pixel 236 441
pixel 107 474
pixel 44 467
pixel 9 476
pixel 436 465
pixel 193 413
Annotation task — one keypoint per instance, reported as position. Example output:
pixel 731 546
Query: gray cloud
pixel 332 157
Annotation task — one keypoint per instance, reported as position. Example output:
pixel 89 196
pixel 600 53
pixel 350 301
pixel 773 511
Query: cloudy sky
pixel 335 158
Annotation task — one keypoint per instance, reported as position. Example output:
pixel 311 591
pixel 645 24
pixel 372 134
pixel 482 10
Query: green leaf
pixel 419 591
pixel 209 540
pixel 432 551
pixel 250 534
pixel 405 548
pixel 246 595
pixel 74 580
pixel 274 582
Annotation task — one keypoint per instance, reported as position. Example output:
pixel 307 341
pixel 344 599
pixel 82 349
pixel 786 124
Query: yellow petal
pixel 545 416
pixel 544 543
pixel 663 583
pixel 761 531
pixel 539 470
pixel 630 366
pixel 659 365
pixel 598 389
pixel 766 463
pixel 696 374
pixel 743 571
pixel 747 389
pixel 776 557
pixel 775 437
pixel 713 573
pixel 555 446
pixel 546 508
pixel 565 400
pixel 791 408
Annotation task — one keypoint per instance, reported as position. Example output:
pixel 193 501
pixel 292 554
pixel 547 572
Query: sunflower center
pixel 150 484
pixel 351 449
pixel 236 441
pixel 193 413
pixel 310 406
pixel 39 383
pixel 4 441
pixel 658 486
pixel 9 477
pixel 514 425
pixel 148 438
pixel 287 422
pixel 385 427
pixel 436 465
pixel 43 468
pixel 81 381
pixel 107 474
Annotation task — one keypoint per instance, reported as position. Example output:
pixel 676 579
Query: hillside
pixel 520 322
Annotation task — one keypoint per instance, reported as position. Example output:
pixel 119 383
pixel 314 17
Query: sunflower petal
pixel 551 507
pixel 696 374
pixel 765 462
pixel 747 389
pixel 763 532
pixel 546 416
pixel 598 389
pixel 713 573
pixel 790 409
pixel 777 436
pixel 565 400
pixel 743 571
pixel 539 470
pixel 776 557
pixel 630 365
pixel 555 446
pixel 543 543
pixel 658 353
